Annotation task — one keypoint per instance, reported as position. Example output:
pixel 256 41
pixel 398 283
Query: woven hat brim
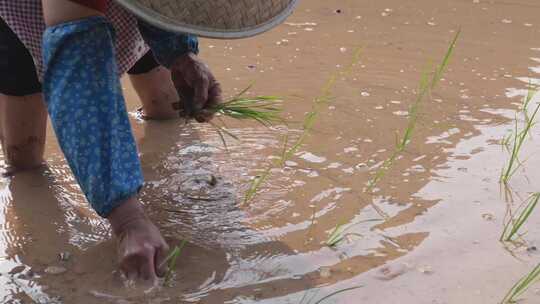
pixel 153 17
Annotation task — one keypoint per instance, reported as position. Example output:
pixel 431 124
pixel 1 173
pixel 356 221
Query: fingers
pixel 214 94
pixel 145 263
pixel 147 268
pixel 214 98
pixel 140 266
pixel 160 263
pixel 129 267
pixel 196 86
pixel 185 92
pixel 200 93
pixel 140 249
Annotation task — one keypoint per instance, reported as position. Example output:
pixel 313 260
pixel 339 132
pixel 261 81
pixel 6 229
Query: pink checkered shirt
pixel 25 18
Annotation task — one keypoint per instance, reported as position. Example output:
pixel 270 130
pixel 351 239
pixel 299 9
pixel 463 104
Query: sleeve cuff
pixel 167 46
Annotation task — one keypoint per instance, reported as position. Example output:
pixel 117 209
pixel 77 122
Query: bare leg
pixel 156 92
pixel 23 127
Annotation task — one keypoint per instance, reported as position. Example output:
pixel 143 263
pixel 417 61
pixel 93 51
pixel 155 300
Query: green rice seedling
pixel 446 60
pixel 336 293
pixel 527 101
pixel 262 109
pixel 426 85
pixel 379 174
pixel 305 300
pixel 255 185
pixel 402 143
pixel 514 224
pixel 340 233
pixel 323 99
pixel 336 236
pixel 170 260
pixel 514 142
pixel 307 126
pixel 522 285
pixel 505 143
pixel 260 179
pixel 524 110
pixel 265 110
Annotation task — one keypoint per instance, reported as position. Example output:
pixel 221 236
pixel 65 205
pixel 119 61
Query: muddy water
pixel 439 210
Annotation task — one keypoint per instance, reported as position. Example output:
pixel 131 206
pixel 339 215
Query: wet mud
pixel 427 233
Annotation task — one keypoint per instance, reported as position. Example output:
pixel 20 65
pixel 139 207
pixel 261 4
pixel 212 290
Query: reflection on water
pixel 30 224
pixel 272 250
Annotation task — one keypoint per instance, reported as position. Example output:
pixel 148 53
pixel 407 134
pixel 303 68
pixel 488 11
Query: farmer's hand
pixel 141 248
pixel 196 85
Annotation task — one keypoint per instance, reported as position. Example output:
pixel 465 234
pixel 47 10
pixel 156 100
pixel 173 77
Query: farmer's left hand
pixel 196 85
pixel 141 248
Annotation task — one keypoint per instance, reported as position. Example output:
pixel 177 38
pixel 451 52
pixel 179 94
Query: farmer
pixel 65 57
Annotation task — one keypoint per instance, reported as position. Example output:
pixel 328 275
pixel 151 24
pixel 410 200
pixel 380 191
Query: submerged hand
pixel 141 248
pixel 196 85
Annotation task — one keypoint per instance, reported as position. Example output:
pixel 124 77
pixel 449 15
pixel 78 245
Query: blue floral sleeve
pixel 87 109
pixel 167 46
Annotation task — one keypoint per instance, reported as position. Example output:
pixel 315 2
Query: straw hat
pixel 213 18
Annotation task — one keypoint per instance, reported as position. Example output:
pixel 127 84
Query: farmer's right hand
pixel 196 85
pixel 141 248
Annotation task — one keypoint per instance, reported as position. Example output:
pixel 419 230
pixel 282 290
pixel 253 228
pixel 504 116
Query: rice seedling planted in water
pixel 514 224
pixel 428 82
pixel 340 233
pixel 170 260
pixel 305 299
pixel 307 126
pixel 522 285
pixel 514 141
pixel 337 236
